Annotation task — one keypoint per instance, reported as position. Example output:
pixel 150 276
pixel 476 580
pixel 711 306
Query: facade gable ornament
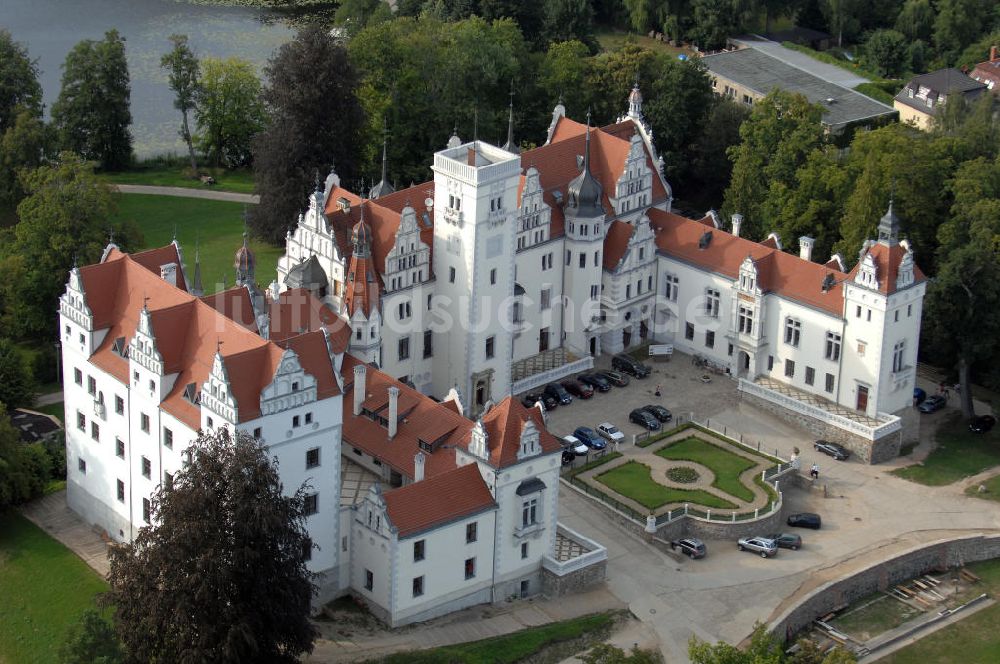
pixel 748 281
pixel 218 397
pixel 867 273
pixel 142 348
pixel 479 441
pixel 905 275
pixel 73 303
pixel 290 387
pixel 530 444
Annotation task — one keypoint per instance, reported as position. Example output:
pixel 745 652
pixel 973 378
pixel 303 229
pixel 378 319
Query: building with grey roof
pixel 748 75
pixel 925 94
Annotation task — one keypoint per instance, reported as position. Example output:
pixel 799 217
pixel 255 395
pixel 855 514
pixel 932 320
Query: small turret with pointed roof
pixel 635 101
pixel 245 262
pixel 584 191
pixel 888 227
pixel 196 288
pixel 383 188
pixel 510 145
pixel 362 290
pixel 455 140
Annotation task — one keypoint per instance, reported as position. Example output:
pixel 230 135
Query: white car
pixel 573 444
pixel 611 432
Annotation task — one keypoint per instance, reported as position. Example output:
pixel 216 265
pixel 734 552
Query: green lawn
pixel 44 587
pixel 510 648
pixel 633 480
pixel 959 453
pixel 218 226
pixel 611 40
pixel 972 640
pixel 55 409
pixel 874 615
pixel 992 489
pixel 726 465
pixel 240 181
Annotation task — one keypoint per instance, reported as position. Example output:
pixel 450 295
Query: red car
pixel 577 389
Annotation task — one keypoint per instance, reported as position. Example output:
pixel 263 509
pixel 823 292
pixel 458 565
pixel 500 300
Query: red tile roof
pixel 504 424
pixel 152 259
pixel 778 272
pixel 298 310
pixel 616 243
pixel 887 260
pixel 455 494
pixel 235 304
pixel 362 291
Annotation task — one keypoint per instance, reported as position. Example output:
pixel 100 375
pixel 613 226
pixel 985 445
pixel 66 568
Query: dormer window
pixel 191 393
pixel 120 348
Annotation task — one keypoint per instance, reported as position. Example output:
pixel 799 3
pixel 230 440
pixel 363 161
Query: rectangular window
pixel 745 320
pixel 670 292
pixel 91 385
pixel 145 510
pixel 312 458
pixel 147 468
pixel 524 550
pixel 471 532
pixel 257 433
pixel 583 259
pixel 898 352
pixel 832 346
pixel 418 586
pixel 418 550
pixel 428 343
pixel 895 315
pixel 470 568
pixel 597 259
pixel 121 491
pixel 810 375
pixel 119 405
pixel 310 505
pixel 307 549
pixel 793 331
pixel 451 275
pixel 628 291
pixel 490 343
pixel 81 465
pixel 144 422
pixel 862 346
pixel 569 257
pixel 909 310
pixel 77 376
pixel 770 362
pixel 404 348
pixel 712 299
pixel 729 350
pixel 369 580
pixel 857 312
pixel 309 418
pixel 529 512
pixel 868 318
pixel 168 481
pixel 81 421
pixel 168 438
pixel 95 431
pixel 545 299
pixel 789 368
pixel 829 383
pixel 689 331
pixel 493 277
pixel 295 421
pixel 593 292
pixel 119 448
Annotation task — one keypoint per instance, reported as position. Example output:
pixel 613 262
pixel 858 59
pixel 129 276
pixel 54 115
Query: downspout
pixel 496 534
pixel 843 345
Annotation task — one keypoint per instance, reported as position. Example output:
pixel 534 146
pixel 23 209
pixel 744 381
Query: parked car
pixel 932 403
pixel 567 457
pixel 630 365
pixel 590 438
pixel 692 547
pixel 573 444
pixel 644 418
pixel 616 378
pixel 559 393
pixel 532 398
pixel 837 451
pixel 765 547
pixel 918 396
pixel 595 380
pixel 786 540
pixel 577 389
pixel 804 520
pixel 659 412
pixel 982 423
pixel 611 432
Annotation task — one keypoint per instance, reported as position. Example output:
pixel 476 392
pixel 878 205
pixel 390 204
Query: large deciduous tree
pixel 182 74
pixel 92 112
pixel 229 111
pixel 680 100
pixel 19 87
pixel 17 385
pixel 91 640
pixel 221 575
pixel 887 51
pixel 316 122
pixel 24 146
pixel 24 469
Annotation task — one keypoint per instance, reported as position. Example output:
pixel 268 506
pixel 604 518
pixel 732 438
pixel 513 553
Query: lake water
pixel 50 28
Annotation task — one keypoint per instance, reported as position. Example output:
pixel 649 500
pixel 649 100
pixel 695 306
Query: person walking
pixel 814 472
pixel 657 389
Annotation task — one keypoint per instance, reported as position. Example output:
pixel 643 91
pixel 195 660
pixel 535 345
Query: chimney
pixel 393 411
pixel 168 273
pixel 418 466
pixel 993 53
pixel 737 222
pixel 359 388
pixel 806 247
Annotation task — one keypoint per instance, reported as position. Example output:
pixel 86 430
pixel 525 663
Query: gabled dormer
pixel 867 275
pixel 535 216
pixel 408 262
pixel 530 444
pixel 145 361
pixel 217 400
pixel 748 278
pixel 291 387
pixel 633 191
pixel 78 320
pixel 905 274
pixel 371 513
pixel 479 441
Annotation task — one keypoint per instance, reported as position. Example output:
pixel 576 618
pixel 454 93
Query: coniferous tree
pixel 316 123
pixel 92 112
pixel 221 575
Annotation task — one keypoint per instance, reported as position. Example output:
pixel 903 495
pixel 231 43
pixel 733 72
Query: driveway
pixel 185 192
pixel 822 70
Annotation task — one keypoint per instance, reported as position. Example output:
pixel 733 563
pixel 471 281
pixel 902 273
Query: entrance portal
pixel 743 366
pixel 862 398
pixel 593 346
pixel 627 336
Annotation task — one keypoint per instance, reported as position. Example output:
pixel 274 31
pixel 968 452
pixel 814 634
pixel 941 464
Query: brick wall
pixel 574 582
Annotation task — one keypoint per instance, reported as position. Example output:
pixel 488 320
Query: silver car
pixel 765 547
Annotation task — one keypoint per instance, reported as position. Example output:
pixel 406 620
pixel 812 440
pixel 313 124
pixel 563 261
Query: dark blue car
pixel 590 438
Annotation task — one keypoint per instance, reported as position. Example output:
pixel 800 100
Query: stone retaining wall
pixel 883 449
pixel 574 582
pixel 883 575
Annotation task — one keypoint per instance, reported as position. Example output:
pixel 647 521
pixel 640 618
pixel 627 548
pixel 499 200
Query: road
pixel 184 192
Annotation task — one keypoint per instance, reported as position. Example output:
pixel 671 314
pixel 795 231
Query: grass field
pixel 633 480
pixel 240 181
pixel 612 40
pixel 874 615
pixel 510 648
pixel 973 640
pixel 55 409
pixel 992 489
pixel 44 587
pixel 959 453
pixel 726 466
pixel 217 225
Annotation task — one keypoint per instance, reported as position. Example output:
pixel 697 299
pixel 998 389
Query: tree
pixel 229 112
pixel 90 640
pixel 840 16
pixel 316 121
pixel 764 648
pixel 529 16
pixel 17 386
pixel 887 52
pixel 605 653
pixel 19 86
pixel 24 146
pixel 92 112
pixel 712 169
pixel 980 50
pixel 221 576
pixel 678 106
pixel 916 20
pixel 958 24
pixel 64 219
pixel 614 73
pixel 24 469
pixel 782 130
pixel 563 74
pixel 714 21
pixel 182 73
pixel 570 19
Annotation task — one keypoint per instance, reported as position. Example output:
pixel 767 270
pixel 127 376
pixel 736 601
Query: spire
pixel 584 190
pixel 586 151
pixel 475 123
pixel 383 188
pixel 510 145
pixel 635 100
pixel 888 227
pixel 196 288
pixel 454 141
pixel 245 262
